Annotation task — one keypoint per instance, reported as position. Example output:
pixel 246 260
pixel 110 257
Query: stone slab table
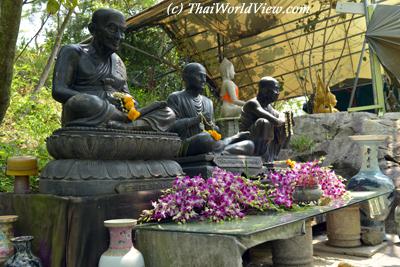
pixel 206 244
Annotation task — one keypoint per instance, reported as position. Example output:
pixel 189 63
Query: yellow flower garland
pixel 128 104
pixel 291 163
pixel 214 134
pixel 133 114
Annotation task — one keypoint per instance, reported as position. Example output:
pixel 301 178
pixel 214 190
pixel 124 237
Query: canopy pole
pixel 376 73
pixel 220 53
pixel 376 70
pixel 353 91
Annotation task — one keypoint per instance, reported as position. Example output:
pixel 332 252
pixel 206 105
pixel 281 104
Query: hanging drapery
pixel 383 36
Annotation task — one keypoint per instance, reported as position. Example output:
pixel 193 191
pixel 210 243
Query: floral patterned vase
pixel 6 233
pixel 121 252
pixel 23 256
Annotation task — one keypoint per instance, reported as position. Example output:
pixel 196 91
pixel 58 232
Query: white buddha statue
pixel 231 105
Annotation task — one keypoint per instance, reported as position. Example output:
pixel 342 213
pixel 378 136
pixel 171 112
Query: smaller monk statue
pixel 195 118
pixel 90 81
pixel 231 105
pixel 267 126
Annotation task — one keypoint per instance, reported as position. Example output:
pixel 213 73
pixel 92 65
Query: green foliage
pixel 154 78
pixel 28 121
pixel 302 143
pixel 77 29
pixel 53 6
pixel 293 104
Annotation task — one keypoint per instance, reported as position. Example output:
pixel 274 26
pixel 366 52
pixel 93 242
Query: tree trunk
pixel 54 52
pixel 10 18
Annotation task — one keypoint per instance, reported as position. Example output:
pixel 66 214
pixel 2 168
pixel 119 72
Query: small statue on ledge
pixel 231 105
pixel 268 128
pixel 90 82
pixel 324 100
pixel 195 118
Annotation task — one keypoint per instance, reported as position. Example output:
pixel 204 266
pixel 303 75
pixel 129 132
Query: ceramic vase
pixel 303 194
pixel 370 178
pixel 6 233
pixel 121 252
pixel 23 256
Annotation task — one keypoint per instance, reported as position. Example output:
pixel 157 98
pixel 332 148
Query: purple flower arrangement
pixel 309 175
pixel 223 196
pixel 227 196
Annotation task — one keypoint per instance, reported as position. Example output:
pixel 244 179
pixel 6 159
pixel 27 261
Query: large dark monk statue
pixel 87 76
pixel 195 114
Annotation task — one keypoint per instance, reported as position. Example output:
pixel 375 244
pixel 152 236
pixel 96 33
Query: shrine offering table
pixel 206 244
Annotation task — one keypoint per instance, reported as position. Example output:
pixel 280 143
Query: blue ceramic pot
pixel 23 256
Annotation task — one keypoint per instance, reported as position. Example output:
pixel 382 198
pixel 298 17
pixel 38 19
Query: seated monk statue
pixel 90 82
pixel 195 114
pixel 266 126
pixel 231 105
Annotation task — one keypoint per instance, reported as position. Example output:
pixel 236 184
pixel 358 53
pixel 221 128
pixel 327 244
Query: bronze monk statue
pixel 88 76
pixel 268 127
pixel 195 114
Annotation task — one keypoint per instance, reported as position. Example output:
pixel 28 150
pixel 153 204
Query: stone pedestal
pixel 296 251
pixel 70 177
pixel 343 227
pixel 228 126
pixel 205 163
pixel 96 161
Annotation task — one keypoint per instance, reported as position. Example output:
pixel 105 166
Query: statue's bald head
pixel 103 14
pixel 268 82
pixel 268 90
pixel 108 30
pixel 195 76
pixel 191 68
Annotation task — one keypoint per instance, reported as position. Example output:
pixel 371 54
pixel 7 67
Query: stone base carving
pixel 205 163
pixel 111 144
pixel 95 161
pixel 228 126
pixel 70 177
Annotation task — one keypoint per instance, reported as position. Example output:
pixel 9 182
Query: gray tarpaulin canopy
pixel 295 48
pixel 383 36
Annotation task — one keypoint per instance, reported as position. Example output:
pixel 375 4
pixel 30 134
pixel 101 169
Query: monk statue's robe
pixel 84 83
pixel 191 130
pixel 186 108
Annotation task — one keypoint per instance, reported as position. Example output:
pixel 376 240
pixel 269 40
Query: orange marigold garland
pixel 133 114
pixel 217 136
pixel 128 104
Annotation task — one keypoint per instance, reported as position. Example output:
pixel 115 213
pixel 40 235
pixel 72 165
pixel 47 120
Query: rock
pixel 372 237
pixel 329 133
